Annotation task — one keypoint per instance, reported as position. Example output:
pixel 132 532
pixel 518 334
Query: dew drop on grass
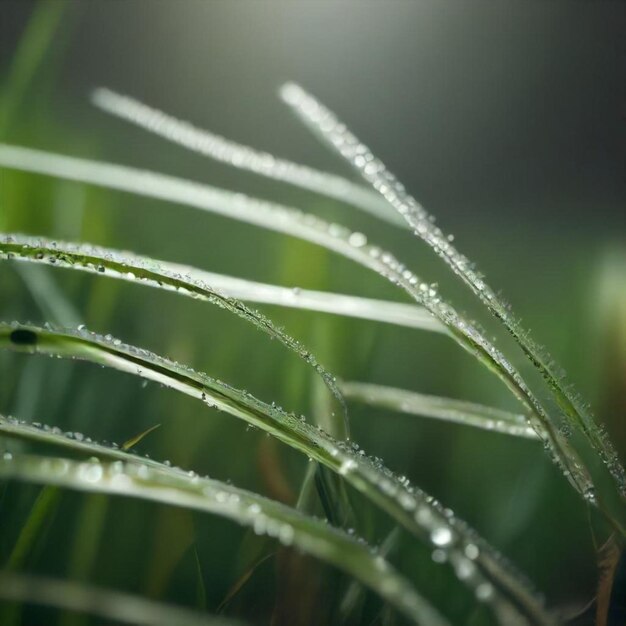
pixel 471 551
pixel 484 592
pixel 441 536
pixel 91 472
pixel 357 240
pixel 439 556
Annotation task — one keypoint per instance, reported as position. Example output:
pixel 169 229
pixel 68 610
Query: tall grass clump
pixel 349 508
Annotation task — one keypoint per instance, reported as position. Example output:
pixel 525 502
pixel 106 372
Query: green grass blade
pixel 326 125
pixel 158 483
pixel 338 239
pixel 475 563
pixel 333 237
pixel 49 298
pixel 32 49
pixel 104 603
pixel 243 157
pixel 46 500
pixel 85 546
pixel 397 313
pixel 146 271
pixel 445 409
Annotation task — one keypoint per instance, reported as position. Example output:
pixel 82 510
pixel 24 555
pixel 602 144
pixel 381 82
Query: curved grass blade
pixel 473 560
pixel 326 125
pixel 397 313
pixel 158 483
pixel 43 506
pixel 33 47
pixel 107 604
pixel 243 157
pixel 351 245
pixel 445 409
pixel 49 298
pixel 146 271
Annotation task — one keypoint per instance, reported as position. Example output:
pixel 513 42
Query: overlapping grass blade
pixel 26 60
pixel 474 562
pixel 243 157
pixel 445 409
pixel 397 313
pixel 104 603
pixel 143 270
pixel 132 477
pixel 326 125
pixel 333 237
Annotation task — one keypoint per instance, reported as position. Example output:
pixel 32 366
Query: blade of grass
pixel 32 49
pixel 146 271
pixel 335 238
pixel 47 295
pixel 157 483
pixel 334 133
pixel 398 313
pixel 51 301
pixel 446 409
pixel 133 441
pixel 107 604
pixel 476 564
pixel 85 545
pixel 243 157
pixel 42 510
pixel 46 500
pixel 353 597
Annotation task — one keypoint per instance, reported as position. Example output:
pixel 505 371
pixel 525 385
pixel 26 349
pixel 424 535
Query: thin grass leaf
pixel 133 441
pixel 397 313
pixel 333 132
pixel 85 547
pixel 49 298
pixel 240 583
pixel 352 245
pixel 158 483
pixel 243 157
pixel 354 597
pixel 47 500
pixel 146 271
pixel 476 564
pixel 445 409
pixel 26 60
pixel 104 603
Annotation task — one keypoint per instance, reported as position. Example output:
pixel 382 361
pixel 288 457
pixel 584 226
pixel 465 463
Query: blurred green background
pixel 507 121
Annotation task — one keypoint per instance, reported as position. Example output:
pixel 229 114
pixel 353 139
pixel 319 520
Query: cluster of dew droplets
pixel 332 130
pixel 265 517
pixel 240 156
pixel 142 469
pixel 324 122
pixel 130 267
pixel 451 540
pixel 295 223
pixel 336 237
pixel 419 512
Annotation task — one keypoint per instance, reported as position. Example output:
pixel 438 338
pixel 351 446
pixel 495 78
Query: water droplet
pixel 441 536
pixel 357 240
